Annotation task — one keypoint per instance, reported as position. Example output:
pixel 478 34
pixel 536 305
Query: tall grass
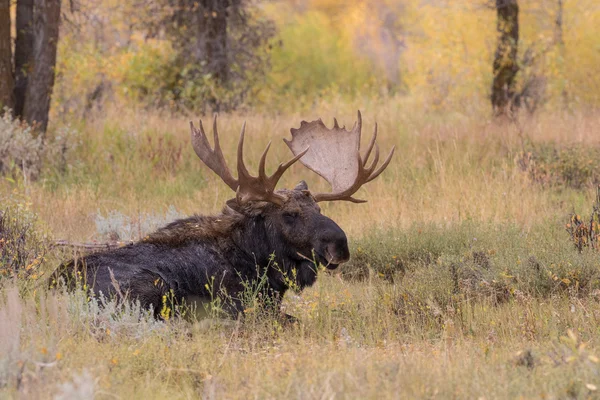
pixel 366 340
pixel 447 168
pixel 463 281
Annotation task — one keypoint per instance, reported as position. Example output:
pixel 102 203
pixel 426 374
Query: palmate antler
pixel 247 187
pixel 335 155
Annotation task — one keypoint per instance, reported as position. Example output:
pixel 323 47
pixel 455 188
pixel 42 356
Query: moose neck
pixel 257 247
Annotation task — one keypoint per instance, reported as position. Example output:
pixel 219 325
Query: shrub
pixel 23 152
pixel 585 233
pixel 387 253
pixel 117 226
pixel 20 149
pixel 574 166
pixel 22 246
pixel 476 261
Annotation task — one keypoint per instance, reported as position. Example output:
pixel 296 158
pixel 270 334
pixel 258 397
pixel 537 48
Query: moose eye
pixel 290 217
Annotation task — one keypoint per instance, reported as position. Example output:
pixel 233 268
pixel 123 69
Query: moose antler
pixel 247 187
pixel 335 155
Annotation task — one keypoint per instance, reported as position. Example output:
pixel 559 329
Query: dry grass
pixel 350 344
pixel 446 169
pixel 431 334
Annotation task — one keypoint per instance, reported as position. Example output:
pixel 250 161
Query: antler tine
pixel 199 134
pixel 283 167
pixel 369 170
pixel 215 131
pixel 280 169
pixel 383 166
pixel 215 137
pixel 371 144
pixel 359 123
pixel 212 158
pixel 263 160
pixel 241 167
pixel 217 151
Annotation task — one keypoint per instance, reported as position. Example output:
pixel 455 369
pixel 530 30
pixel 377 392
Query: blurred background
pixel 277 56
pixel 492 104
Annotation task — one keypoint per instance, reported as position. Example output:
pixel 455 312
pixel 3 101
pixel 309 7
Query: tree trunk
pixel 558 24
pixel 46 20
pixel 23 52
pixel 215 36
pixel 560 42
pixel 6 73
pixel 505 59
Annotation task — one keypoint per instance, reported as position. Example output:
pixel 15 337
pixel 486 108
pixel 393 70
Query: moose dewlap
pixel 277 236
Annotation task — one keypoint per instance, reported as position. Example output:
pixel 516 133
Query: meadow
pixel 463 282
pixel 474 269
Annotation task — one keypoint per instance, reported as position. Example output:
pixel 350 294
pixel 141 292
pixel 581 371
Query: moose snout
pixel 334 244
pixel 337 252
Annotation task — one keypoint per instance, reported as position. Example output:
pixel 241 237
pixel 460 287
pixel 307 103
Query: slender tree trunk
pixel 46 20
pixel 23 52
pixel 207 46
pixel 6 72
pixel 560 42
pixel 505 59
pixel 215 36
pixel 558 24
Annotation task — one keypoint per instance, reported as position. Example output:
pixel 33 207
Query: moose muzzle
pixel 333 244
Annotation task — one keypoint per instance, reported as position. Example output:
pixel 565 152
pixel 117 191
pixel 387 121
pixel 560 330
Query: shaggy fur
pixel 203 256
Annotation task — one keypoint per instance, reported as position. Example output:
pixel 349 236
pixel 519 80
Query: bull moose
pixel 279 236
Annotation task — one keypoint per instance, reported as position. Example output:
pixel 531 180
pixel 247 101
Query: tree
pixel 214 37
pixel 34 62
pixel 23 51
pixel 46 20
pixel 505 59
pixel 6 76
pixel 219 45
pixel 207 42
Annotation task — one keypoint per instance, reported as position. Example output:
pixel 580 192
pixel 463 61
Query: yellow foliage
pixel 439 53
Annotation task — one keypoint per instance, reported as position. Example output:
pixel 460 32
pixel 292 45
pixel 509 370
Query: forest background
pixel 287 56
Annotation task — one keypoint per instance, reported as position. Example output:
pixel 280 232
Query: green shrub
pixel 23 153
pixel 388 252
pixel 492 262
pixel 306 64
pixel 22 246
pixel 575 165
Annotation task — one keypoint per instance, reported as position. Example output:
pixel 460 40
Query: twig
pixel 93 246
pixel 115 283
pixel 233 334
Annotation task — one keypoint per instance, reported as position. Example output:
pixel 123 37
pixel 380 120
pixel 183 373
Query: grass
pixel 352 348
pixel 463 281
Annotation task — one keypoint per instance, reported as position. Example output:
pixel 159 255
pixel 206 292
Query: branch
pixel 94 246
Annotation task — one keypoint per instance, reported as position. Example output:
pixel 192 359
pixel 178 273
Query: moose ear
pixel 301 186
pixel 234 205
pixel 251 209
